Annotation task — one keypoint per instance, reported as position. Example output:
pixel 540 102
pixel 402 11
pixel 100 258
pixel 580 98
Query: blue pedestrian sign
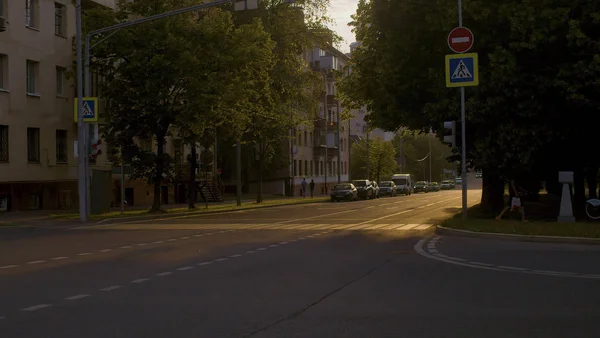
pixel 90 109
pixel 462 70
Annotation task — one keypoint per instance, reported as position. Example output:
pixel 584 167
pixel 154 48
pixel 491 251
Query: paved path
pixel 325 270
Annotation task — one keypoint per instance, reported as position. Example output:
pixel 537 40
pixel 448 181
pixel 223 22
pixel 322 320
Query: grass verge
pixel 516 227
pixel 200 208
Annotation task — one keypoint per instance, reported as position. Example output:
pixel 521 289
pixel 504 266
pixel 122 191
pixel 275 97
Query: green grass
pixel 516 227
pixel 200 208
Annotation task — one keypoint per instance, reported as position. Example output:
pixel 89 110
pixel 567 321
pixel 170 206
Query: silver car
pixel 344 191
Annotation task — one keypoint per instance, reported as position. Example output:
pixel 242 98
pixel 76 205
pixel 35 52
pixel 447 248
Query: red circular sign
pixel 460 39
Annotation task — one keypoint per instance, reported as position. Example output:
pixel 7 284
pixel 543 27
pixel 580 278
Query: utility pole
pixel 339 161
pixel 463 132
pixel 81 139
pixel 326 124
pixel 348 150
pixel 238 173
pixel 368 156
pixel 430 156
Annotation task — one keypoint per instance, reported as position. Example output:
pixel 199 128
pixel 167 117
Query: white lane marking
pixel 198 235
pixel 204 263
pixel 162 274
pixel 408 227
pixel 126 247
pixel 430 204
pixel 8 266
pixel 273 246
pixel 220 259
pixel 424 226
pixel 433 251
pixel 105 250
pixel 141 280
pixel 185 268
pixel 547 272
pixel 77 297
pixel 371 207
pixel 171 239
pixel 186 237
pixel 36 262
pixel 59 258
pixel 478 263
pixel 261 249
pixel 110 288
pixel 235 256
pixel 36 307
pixel 158 242
pixel 84 254
pixel 142 244
pixel 250 252
pixel 511 268
pixel 421 251
pixel 283 243
pixel 293 240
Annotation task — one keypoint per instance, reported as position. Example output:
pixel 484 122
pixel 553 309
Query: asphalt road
pixel 359 269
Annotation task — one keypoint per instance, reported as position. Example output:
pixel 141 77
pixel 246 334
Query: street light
pixel 83 174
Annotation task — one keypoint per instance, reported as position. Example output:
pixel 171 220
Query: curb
pixel 185 214
pixel 441 230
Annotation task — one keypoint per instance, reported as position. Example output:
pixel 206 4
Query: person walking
pixel 312 188
pixel 303 185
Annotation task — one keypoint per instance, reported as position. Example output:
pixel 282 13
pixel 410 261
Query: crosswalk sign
pixel 462 70
pixel 90 109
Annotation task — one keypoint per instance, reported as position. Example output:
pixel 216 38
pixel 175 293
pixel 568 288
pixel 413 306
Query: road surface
pixel 360 269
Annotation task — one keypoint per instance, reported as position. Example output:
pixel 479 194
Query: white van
pixel 404 183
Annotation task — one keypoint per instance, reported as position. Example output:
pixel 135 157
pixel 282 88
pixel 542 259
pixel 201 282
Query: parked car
pixel 420 186
pixel 447 185
pixel 344 191
pixel 365 189
pixel 478 175
pixel 388 188
pixel 458 181
pixel 433 186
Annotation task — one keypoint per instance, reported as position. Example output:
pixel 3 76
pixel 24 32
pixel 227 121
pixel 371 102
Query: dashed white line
pixel 77 297
pixel 171 239
pixel 105 250
pixel 36 307
pixel 142 244
pixel 157 242
pixel 110 288
pixel 235 256
pixel 126 247
pixel 185 268
pixel 8 266
pixel 36 262
pixel 141 280
pixel 220 259
pixel 261 249
pixel 273 245
pixel 283 243
pixel 59 258
pixel 84 254
pixel 453 258
pixel 198 235
pixel 250 252
pixel 186 237
pixel 162 274
pixel 204 263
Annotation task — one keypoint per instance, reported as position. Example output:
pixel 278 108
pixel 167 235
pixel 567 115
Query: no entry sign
pixel 460 39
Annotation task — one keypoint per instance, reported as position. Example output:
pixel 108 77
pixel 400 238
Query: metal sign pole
pixel 463 133
pixel 81 145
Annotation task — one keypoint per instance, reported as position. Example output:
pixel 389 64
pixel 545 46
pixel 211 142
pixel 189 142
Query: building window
pixel 305 167
pixel 3 143
pixel 33 145
pixel 61 146
pixel 31 13
pixel 300 167
pixel 60 80
pixel 3 70
pixel 322 52
pixel 320 168
pixel 59 19
pixel 32 74
pixel 311 168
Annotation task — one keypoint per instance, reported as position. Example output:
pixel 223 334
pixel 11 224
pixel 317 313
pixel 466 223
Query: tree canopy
pixel 538 64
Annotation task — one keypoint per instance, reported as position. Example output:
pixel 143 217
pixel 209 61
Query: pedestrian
pixel 312 188
pixel 515 202
pixel 303 185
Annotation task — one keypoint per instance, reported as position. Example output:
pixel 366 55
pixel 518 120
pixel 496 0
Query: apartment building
pixel 37 164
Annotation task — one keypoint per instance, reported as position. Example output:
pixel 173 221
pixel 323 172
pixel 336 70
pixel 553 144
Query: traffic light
pixel 95 149
pixel 451 139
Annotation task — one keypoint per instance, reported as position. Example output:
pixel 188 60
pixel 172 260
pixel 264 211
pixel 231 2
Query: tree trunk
pixel 192 183
pixel 160 167
pixel 259 195
pixel 592 180
pixel 492 196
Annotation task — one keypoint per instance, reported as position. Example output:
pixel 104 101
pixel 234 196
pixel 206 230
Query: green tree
pixel 381 159
pixel 181 74
pixel 538 62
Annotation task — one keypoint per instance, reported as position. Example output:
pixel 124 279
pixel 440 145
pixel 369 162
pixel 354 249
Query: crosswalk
pixel 276 226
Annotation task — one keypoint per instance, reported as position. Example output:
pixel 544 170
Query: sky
pixel 340 11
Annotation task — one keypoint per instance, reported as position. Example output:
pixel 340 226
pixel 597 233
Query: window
pixel 305 167
pixel 321 168
pixel 3 70
pixel 322 52
pixel 311 168
pixel 60 80
pixel 300 167
pixel 33 145
pixel 31 13
pixel 61 146
pixel 59 19
pixel 32 74
pixel 3 143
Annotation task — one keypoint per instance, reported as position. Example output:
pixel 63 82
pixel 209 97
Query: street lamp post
pixel 83 140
